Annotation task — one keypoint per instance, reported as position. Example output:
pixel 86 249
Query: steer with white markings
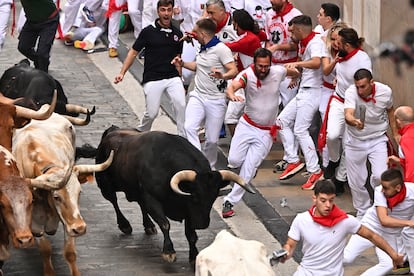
pixel 167 176
pixel 15 191
pixel 47 149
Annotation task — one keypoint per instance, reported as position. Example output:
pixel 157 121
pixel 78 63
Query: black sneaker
pixel 227 210
pixel 401 270
pixel 340 186
pixel 329 172
pixel 280 166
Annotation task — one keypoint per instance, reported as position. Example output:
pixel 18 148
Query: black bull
pixel 21 80
pixel 167 176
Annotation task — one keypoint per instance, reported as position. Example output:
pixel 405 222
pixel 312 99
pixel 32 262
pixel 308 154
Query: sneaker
pixel 88 15
pixel 330 169
pixel 401 270
pixel 339 185
pixel 227 210
pixel 113 52
pixel 291 170
pixel 280 166
pixel 79 44
pixel 313 178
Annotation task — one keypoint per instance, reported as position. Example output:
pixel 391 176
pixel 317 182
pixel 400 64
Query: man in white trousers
pixel 256 130
pixel 283 48
pixel 162 41
pixel 369 113
pixel 296 118
pixel 114 12
pixel 5 8
pixel 392 211
pixel 214 65
pixel 351 57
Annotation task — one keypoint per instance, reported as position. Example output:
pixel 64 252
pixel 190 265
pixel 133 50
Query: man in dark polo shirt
pixel 42 18
pixel 162 44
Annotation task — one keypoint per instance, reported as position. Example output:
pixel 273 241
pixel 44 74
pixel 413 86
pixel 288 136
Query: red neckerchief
pixel 397 198
pixel 349 55
pixel 304 42
pixel 258 83
pixel 335 216
pixel 223 23
pixel 283 12
pixel 372 96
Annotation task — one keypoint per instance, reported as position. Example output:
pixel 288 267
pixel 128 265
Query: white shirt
pixel 376 117
pixel 345 71
pixel 277 33
pixel 216 57
pixel 323 247
pixel 403 210
pixel 312 77
pixel 262 103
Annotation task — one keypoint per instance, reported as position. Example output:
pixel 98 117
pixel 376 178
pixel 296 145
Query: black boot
pixel 329 171
pixel 340 186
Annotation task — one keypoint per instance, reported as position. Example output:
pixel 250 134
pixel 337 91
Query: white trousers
pixel 153 91
pixel 87 34
pixel 5 9
pixel 249 147
pixel 357 153
pixel 71 11
pixel 211 112
pixel 407 235
pixel 357 244
pixel 325 95
pixel 149 12
pixel 135 13
pixel 295 120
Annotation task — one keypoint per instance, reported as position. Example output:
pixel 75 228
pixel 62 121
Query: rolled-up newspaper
pixel 362 111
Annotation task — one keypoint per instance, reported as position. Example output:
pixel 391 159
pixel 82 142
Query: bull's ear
pixel 21 122
pixel 86 177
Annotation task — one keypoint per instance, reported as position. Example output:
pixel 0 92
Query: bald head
pixel 404 115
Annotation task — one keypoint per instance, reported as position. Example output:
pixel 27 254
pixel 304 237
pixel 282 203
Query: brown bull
pixel 47 149
pixel 15 191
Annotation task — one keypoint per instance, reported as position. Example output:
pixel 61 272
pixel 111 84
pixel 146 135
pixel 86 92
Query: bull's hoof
pixel 125 229
pixel 151 230
pixel 170 258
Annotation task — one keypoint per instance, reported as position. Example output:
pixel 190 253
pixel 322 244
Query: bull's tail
pixel 86 151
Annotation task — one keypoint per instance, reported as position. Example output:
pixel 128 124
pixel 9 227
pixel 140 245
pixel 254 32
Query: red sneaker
pixel 310 184
pixel 291 170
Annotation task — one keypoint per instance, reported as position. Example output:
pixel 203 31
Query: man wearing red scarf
pixel 296 117
pixel 368 113
pixel 391 215
pixel 323 229
pixel 349 59
pixel 404 118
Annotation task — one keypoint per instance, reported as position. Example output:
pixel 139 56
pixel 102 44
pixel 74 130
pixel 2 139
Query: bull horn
pixel 7 100
pixel 78 121
pixel 97 167
pixel 49 182
pixel 184 175
pixel 92 111
pixel 76 109
pixel 42 114
pixel 231 176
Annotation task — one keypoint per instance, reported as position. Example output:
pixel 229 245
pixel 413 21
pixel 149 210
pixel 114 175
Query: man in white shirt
pixel 392 211
pixel 368 113
pixel 323 230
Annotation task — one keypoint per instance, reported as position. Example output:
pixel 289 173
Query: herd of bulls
pixel 40 183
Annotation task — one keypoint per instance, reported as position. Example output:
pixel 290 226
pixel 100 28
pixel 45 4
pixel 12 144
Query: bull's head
pixel 202 190
pixel 16 212
pixel 66 200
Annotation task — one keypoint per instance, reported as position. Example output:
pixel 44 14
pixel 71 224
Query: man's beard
pixel 342 53
pixel 277 7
